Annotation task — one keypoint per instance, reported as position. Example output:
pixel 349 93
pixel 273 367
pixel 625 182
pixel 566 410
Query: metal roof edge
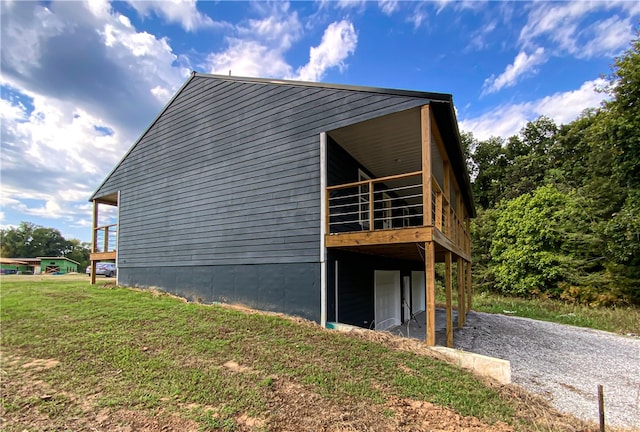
pixel 58 258
pixel 441 97
pixel 153 122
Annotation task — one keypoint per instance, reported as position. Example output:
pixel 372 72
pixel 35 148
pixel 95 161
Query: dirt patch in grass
pixel 235 367
pixel 30 403
pixel 296 408
pixel 419 415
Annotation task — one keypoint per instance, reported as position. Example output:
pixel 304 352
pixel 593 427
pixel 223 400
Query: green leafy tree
pixel 30 241
pixel 80 252
pixel 624 110
pixel 528 157
pixel 533 236
pixel 524 245
pixel 490 164
pixel 483 228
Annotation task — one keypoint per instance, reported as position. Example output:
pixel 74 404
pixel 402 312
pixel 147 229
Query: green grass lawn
pixel 137 351
pixel 622 320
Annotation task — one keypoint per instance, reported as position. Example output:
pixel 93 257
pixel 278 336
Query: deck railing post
pixel 425 132
pixel 106 239
pixel 94 240
pixel 371 205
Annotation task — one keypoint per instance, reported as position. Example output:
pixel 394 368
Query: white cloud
pixel 71 72
pixel 350 4
pixel 183 12
pixel 388 7
pixel 418 16
pixel 562 107
pixel 478 38
pixel 10 112
pixel 609 37
pixel 21 48
pixel 53 155
pixel 562 27
pixel 249 58
pixel 259 48
pixel 338 42
pixel 523 64
pixel 280 28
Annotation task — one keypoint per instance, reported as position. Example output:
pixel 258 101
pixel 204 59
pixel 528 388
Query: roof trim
pixel 438 97
pixel 58 258
pixel 137 141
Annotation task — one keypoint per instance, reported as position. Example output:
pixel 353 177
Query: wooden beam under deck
pixel 99 256
pixel 443 241
pixel 377 237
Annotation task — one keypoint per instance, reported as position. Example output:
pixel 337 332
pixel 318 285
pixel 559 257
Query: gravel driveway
pixel 565 364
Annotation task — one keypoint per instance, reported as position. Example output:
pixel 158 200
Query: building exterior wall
pixel 65 265
pixel 229 176
pixel 22 268
pixel 288 288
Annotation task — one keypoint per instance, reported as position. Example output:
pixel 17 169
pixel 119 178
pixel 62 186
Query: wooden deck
pixel 104 239
pixel 410 216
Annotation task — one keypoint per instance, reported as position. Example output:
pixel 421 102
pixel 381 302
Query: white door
pixel 387 299
pixel 418 291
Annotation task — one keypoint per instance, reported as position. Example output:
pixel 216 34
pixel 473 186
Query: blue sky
pixel 81 81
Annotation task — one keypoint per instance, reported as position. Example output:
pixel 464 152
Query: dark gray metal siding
pixel 229 174
pixel 293 289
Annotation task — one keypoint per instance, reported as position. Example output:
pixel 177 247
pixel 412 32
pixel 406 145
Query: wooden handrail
pixel 447 220
pixel 105 226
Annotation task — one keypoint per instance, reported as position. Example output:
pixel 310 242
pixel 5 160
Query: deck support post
pixel 94 240
pixel 469 287
pixel 430 294
pixel 448 289
pixel 462 313
pixel 468 250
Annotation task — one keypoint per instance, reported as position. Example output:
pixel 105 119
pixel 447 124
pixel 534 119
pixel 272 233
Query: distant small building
pixel 58 265
pixel 20 265
pixel 12 266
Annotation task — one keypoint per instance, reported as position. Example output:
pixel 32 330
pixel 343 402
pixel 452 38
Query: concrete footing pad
pixel 491 367
pixel 498 369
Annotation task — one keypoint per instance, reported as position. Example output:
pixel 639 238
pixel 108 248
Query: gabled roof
pixel 442 108
pixel 58 258
pixel 13 261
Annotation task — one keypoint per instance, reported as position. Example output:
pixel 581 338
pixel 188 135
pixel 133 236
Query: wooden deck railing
pixel 397 203
pixel 381 203
pixel 105 238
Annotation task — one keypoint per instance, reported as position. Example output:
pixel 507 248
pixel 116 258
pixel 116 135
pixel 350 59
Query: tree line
pixel 559 206
pixel 29 240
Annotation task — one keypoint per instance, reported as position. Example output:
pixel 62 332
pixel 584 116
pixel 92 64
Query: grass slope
pixel 127 351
